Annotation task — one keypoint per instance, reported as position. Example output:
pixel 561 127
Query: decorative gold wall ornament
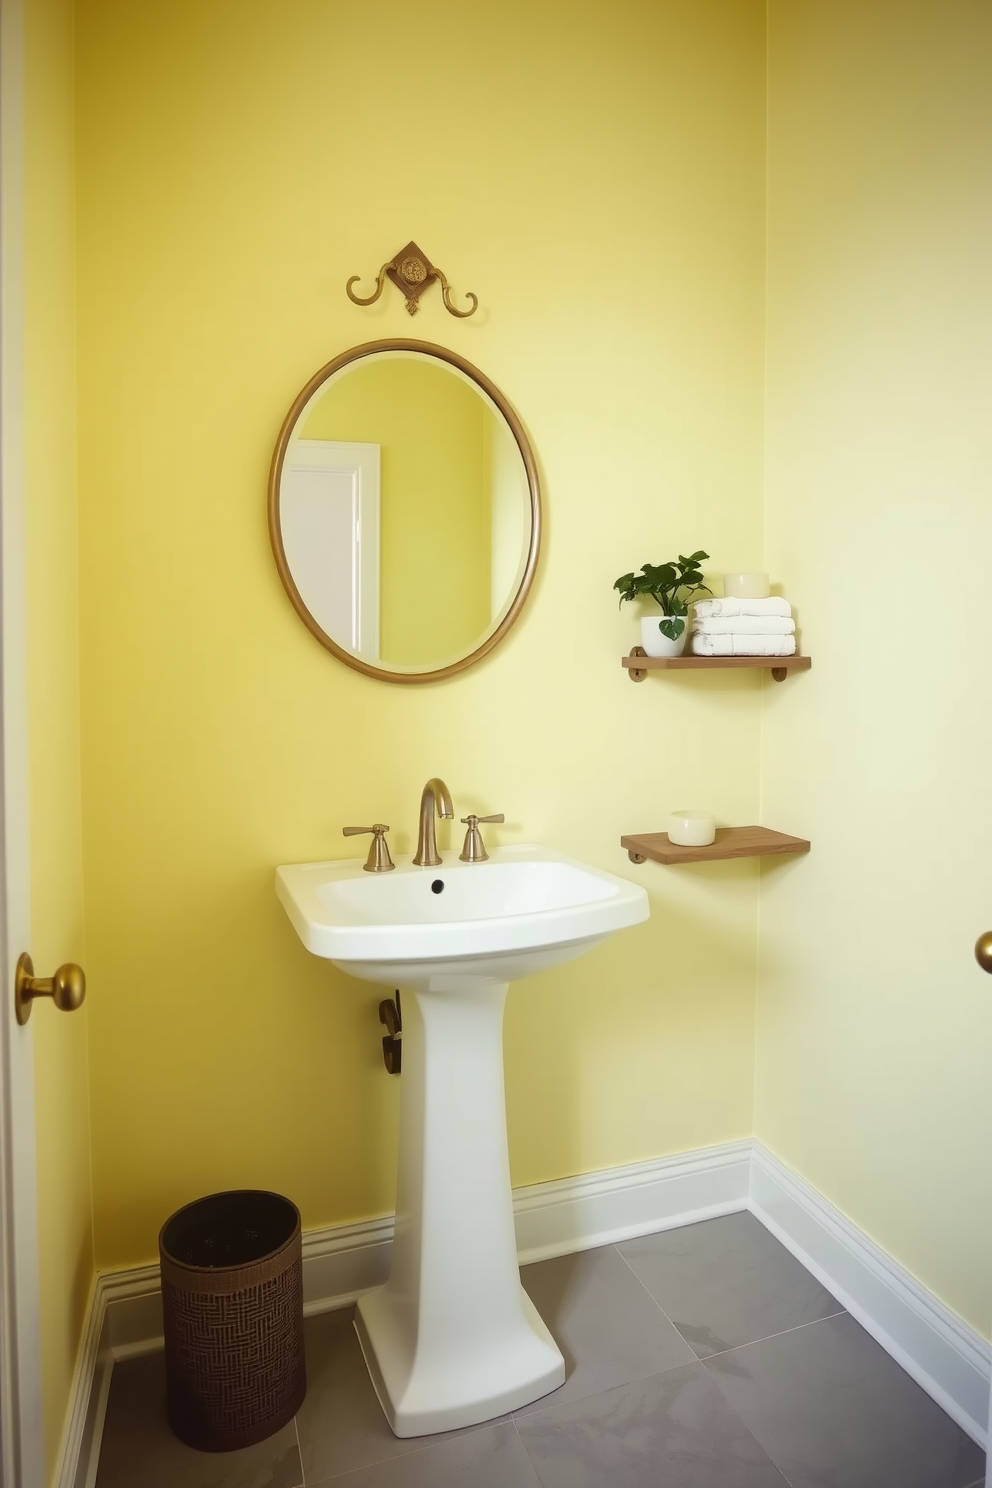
pixel 412 272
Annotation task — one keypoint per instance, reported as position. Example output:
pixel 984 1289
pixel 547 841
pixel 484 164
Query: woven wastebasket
pixel 232 1300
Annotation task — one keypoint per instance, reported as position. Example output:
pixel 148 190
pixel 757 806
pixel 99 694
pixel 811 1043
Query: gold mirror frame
pixel 356 354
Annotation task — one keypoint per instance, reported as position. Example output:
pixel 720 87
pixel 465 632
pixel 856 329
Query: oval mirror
pixel 404 510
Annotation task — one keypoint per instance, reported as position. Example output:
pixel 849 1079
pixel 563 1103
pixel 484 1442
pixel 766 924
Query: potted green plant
pixel 672 586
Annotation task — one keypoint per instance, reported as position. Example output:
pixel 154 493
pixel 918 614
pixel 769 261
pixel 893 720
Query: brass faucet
pixel 435 798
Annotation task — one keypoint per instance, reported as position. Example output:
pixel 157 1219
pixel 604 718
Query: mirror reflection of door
pixel 329 508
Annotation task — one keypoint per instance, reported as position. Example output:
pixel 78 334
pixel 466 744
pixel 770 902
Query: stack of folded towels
pixel 743 627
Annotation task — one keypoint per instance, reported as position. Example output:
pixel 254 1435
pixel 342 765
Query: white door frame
pixel 22 1458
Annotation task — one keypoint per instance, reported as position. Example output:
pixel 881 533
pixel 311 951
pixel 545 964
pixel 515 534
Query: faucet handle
pixel 474 850
pixel 378 860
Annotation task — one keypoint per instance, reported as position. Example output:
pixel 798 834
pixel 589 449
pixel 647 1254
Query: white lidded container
pixel 691 828
pixel 746 586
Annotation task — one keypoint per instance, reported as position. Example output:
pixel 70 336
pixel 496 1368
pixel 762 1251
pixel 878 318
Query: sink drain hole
pixel 437 886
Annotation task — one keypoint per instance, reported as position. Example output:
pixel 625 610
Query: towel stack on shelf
pixel 743 627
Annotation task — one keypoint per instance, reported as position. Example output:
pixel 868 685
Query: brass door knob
pixel 67 988
pixel 983 951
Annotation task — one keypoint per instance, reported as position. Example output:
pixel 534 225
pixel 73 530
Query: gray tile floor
pixel 704 1357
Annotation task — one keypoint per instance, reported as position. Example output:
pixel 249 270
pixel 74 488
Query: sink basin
pixel 452 1338
pixel 524 910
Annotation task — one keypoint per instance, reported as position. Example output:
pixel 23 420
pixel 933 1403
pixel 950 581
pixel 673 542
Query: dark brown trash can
pixel 232 1301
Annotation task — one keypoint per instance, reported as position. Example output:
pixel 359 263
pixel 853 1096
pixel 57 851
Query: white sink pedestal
pixel 452 1338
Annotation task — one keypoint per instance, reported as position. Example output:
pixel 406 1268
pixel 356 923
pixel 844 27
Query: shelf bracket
pixel 637 674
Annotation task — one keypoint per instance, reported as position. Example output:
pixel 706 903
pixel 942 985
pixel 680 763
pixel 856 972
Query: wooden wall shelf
pixel 638 664
pixel 731 842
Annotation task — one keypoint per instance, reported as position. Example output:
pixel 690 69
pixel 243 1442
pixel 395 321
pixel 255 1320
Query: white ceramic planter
pixel 656 643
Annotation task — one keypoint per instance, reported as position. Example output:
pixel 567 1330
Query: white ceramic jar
pixel 691 828
pixel 746 586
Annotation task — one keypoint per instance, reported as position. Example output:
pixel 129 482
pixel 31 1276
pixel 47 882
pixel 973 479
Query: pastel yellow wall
pixel 875 1028
pixel 64 1192
pixel 599 184
pixel 434 500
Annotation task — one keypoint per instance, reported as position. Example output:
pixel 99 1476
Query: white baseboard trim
pixel 945 1356
pixel 124 1316
pixel 81 1428
pixel 951 1361
pixel 592 1209
pixel 342 1261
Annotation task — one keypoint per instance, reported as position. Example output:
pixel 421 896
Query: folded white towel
pixel 743 625
pixel 744 645
pixel 775 605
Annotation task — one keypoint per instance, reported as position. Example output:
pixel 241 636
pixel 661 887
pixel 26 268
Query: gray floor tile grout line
pixel 299 1448
pixel 799 1326
pixel 654 1299
pixel 841 1312
pixel 533 1464
pixel 584 1399
pixel 527 1415
pixel 771 1459
pixel 439 1437
pixel 702 1358
pixel 530 1415
pixel 761 1448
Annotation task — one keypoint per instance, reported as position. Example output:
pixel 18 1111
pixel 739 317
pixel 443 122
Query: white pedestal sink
pixel 452 1338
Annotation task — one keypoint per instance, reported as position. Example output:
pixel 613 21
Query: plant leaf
pixel 671 585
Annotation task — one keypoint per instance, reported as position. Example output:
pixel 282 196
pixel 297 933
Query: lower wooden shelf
pixel 731 842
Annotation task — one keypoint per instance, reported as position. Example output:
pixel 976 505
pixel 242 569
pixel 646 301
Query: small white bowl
pixel 691 828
